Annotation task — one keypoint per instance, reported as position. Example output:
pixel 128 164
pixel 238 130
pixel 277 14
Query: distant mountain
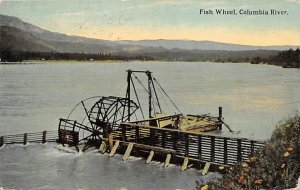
pixel 201 45
pixel 16 34
pixel 19 35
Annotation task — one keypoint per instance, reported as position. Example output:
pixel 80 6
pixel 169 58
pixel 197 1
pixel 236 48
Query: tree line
pixel 289 58
pixel 286 59
pixel 8 55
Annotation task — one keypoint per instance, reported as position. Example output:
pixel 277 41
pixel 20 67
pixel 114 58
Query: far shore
pixel 32 62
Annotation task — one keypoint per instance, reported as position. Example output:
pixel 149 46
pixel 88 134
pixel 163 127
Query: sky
pixel 163 19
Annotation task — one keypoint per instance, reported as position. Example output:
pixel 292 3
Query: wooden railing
pixel 205 147
pixel 37 137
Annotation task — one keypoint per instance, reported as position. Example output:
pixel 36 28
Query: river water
pixel 34 96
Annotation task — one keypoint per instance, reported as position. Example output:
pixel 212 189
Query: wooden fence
pixel 38 137
pixel 204 147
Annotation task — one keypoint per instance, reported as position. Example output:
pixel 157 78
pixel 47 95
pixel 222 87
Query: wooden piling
pixel 1 141
pixel 114 149
pixel 167 161
pixel 206 168
pixel 102 148
pixel 128 151
pixel 110 141
pixel 44 137
pixel 25 139
pixel 151 154
pixel 185 163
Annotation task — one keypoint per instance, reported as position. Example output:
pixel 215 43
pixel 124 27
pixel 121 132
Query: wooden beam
pixel 148 147
pixel 167 161
pixel 206 168
pixel 149 159
pixel 185 163
pixel 102 148
pixel 128 151
pixel 114 149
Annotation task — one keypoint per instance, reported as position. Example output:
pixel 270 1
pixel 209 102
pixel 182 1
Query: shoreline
pixel 32 62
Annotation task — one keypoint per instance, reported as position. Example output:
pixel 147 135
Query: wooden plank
pixel 206 168
pixel 149 159
pixel 114 149
pixel 128 151
pixel 102 148
pixel 167 161
pixel 185 163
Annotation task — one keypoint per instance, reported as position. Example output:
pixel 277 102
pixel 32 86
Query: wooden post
pixel 1 141
pixel 163 139
pixel 239 150
pixel 25 139
pixel 252 148
pixel 186 144
pixel 225 151
pixel 199 152
pixel 110 141
pixel 220 117
pixel 123 132
pixel 152 136
pixel 44 137
pixel 212 148
pixel 175 138
pixel 199 147
pixel 59 132
pixel 220 112
pixel 137 134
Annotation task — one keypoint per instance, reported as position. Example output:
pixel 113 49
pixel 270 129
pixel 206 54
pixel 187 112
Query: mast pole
pixel 149 92
pixel 128 91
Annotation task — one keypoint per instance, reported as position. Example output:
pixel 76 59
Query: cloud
pixel 292 1
pixel 24 0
